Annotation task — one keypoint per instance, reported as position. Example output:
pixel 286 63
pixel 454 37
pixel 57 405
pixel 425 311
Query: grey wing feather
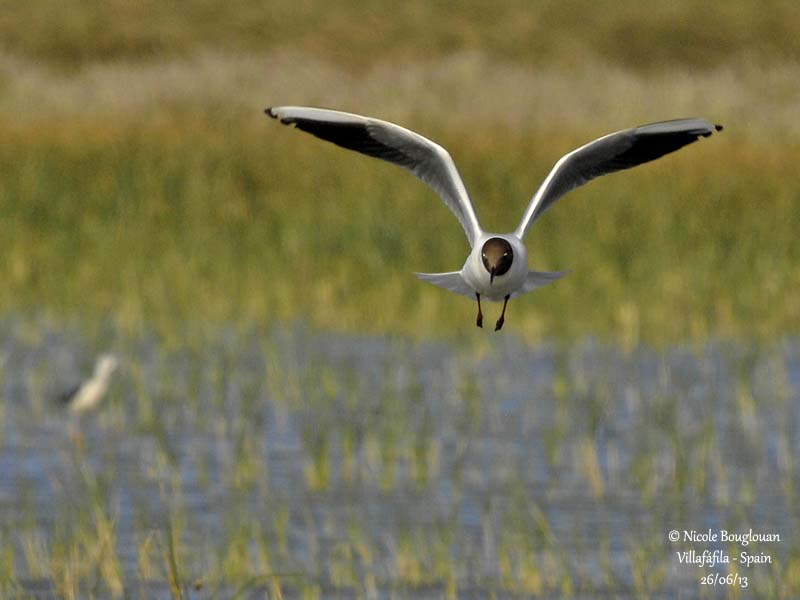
pixel 427 160
pixel 452 281
pixel 536 279
pixel 611 153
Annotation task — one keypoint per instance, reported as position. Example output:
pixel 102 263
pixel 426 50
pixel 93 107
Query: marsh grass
pixel 550 32
pixel 159 211
pixel 549 470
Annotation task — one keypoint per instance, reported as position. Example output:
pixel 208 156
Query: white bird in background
pixel 88 394
pixel 497 267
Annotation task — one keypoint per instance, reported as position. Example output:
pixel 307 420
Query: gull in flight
pixel 497 266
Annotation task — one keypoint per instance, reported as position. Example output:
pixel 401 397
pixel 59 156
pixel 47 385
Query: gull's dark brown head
pixel 497 257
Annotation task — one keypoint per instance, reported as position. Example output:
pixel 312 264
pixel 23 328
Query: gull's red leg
pixel 479 321
pixel 502 318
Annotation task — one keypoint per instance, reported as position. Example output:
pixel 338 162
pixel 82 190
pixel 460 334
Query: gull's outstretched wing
pixel 613 152
pixel 452 281
pixel 536 279
pixel 424 158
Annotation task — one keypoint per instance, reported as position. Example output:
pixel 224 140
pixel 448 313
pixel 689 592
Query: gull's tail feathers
pixel 536 279
pixel 452 281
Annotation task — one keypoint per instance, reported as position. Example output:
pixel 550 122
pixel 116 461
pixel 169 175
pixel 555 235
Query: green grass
pixel 179 218
pixel 141 181
pixel 634 34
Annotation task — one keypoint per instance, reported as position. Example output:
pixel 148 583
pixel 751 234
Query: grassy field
pixel 157 192
pixel 141 181
pixel 631 34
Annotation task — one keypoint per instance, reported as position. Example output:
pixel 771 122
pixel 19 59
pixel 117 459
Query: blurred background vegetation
pixel 141 182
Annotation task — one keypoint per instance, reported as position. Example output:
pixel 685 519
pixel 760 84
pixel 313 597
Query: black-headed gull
pixel 497 267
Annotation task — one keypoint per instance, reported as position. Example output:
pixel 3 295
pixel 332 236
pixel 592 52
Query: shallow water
pixel 337 465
